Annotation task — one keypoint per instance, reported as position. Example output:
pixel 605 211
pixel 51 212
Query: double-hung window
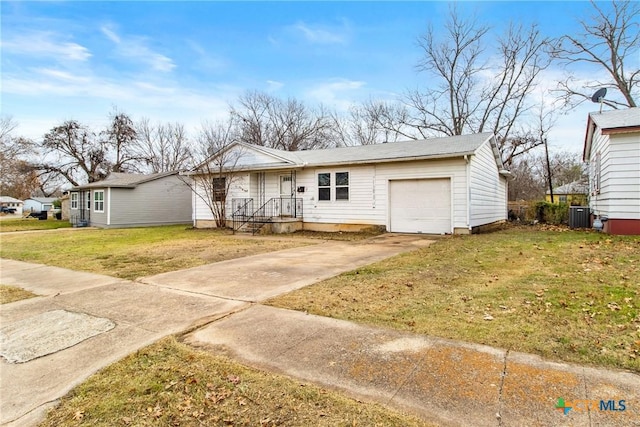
pixel 333 186
pixel 324 186
pixel 98 201
pixel 74 200
pixel 219 189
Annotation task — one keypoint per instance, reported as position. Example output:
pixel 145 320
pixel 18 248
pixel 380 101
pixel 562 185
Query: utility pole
pixel 546 150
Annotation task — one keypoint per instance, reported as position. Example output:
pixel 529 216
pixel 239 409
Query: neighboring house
pixel 612 151
pixel 438 186
pixel 65 205
pixel 13 203
pixel 131 200
pixel 39 204
pixel 574 194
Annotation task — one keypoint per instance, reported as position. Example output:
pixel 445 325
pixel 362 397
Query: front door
pixel 286 195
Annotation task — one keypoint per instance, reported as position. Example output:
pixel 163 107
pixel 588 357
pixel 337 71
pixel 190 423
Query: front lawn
pixel 566 295
pixel 129 253
pixel 172 384
pixel 27 224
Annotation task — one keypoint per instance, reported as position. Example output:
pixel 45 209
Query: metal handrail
pixel 241 215
pixel 276 207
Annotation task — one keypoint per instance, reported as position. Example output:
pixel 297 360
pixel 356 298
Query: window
pixel 340 188
pixel 219 189
pixel 74 200
pixel 88 200
pixel 342 185
pixel 98 201
pixel 324 186
pixel 563 199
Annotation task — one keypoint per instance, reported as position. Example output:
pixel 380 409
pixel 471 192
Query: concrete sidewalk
pixel 449 383
pixel 442 381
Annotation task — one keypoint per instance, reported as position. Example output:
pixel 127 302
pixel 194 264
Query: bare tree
pixel 362 125
pixel 17 179
pixel 216 174
pixel 609 43
pixel 287 125
pixel 164 146
pixel 73 152
pixel 120 138
pixel 471 91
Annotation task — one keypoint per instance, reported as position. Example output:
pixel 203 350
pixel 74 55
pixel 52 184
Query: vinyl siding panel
pixel 619 195
pixel 99 219
pixel 487 189
pixel 162 201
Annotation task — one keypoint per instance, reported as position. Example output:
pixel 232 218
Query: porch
pixel 280 214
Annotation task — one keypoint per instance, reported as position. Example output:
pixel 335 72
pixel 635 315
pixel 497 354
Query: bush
pixel 549 213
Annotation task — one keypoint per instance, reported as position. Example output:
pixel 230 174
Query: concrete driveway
pixel 144 311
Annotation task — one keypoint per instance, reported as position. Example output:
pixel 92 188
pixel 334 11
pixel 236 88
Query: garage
pixel 420 206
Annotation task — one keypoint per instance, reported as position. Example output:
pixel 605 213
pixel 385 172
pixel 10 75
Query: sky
pixel 187 61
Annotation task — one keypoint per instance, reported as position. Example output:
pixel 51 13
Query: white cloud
pixel 45 44
pixel 136 48
pixel 318 35
pixel 274 86
pixel 339 93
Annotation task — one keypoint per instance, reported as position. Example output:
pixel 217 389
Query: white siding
pixel 619 195
pixel 487 189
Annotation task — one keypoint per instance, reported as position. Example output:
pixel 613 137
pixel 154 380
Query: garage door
pixel 420 206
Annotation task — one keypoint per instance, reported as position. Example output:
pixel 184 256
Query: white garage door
pixel 420 206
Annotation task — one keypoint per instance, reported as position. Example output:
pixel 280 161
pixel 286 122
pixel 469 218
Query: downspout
pixel 108 205
pixel 468 173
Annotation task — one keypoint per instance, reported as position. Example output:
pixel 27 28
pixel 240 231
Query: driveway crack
pixel 503 375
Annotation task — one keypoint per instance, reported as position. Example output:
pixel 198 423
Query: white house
pixel 438 186
pixel 13 203
pixel 39 204
pixel 612 151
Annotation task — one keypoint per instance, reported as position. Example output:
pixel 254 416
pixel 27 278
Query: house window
pixel 98 201
pixel 88 200
pixel 324 186
pixel 342 185
pixel 563 199
pixel 74 200
pixel 219 189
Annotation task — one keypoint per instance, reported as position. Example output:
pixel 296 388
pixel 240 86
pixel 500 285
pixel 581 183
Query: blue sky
pixel 186 61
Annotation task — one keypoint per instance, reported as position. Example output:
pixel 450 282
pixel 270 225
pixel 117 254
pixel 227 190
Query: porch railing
pixel 242 211
pixel 277 207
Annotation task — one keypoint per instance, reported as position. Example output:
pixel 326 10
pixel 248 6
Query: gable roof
pixel 436 148
pixel 124 180
pixel 576 187
pixel 9 199
pixel 43 200
pixel 610 122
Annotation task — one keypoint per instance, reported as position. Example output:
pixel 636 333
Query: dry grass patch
pixel 12 293
pixel 565 295
pixel 135 252
pixel 171 384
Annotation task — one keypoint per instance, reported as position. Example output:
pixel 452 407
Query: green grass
pixel 12 293
pixel 134 252
pixel 569 296
pixel 28 224
pixel 170 383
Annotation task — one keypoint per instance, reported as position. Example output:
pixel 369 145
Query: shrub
pixel 549 213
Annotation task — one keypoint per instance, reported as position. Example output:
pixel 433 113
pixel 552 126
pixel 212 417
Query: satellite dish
pixel 599 95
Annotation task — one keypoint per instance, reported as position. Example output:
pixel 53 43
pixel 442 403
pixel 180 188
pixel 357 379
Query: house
pixel 612 151
pixel 574 194
pixel 438 186
pixel 12 203
pixel 131 200
pixel 39 204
